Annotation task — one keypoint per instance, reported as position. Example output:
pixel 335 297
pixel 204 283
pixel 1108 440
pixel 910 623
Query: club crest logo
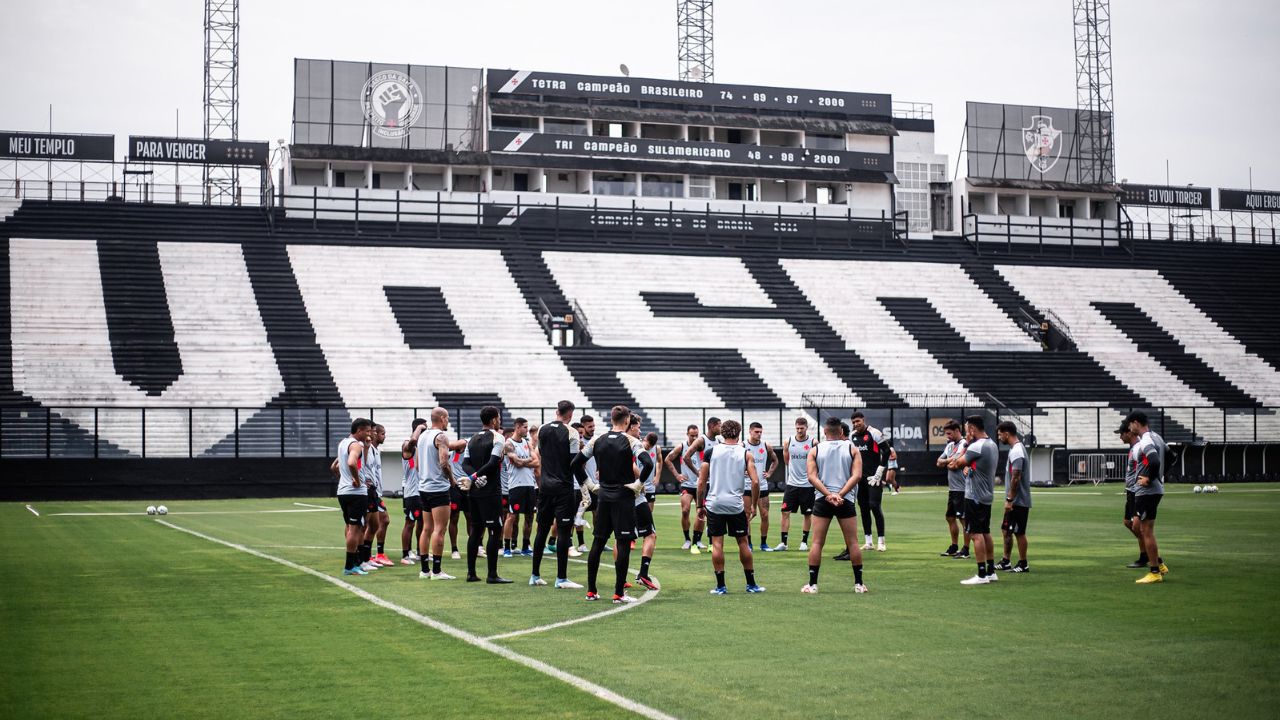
pixel 392 103
pixel 1042 143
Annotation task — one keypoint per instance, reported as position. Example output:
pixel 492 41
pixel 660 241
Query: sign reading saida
pixel 144 148
pixel 60 146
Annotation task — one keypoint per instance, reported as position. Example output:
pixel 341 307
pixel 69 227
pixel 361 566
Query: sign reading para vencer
pixel 144 148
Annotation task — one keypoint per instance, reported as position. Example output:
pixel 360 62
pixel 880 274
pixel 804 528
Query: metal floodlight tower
pixel 1092 19
pixel 694 52
pixel 221 90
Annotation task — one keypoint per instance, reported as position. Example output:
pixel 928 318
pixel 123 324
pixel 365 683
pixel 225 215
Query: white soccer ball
pixel 162 510
pixel 151 510
pixel 1197 489
pixel 1213 488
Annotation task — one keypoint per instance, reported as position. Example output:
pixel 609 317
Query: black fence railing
pixel 103 432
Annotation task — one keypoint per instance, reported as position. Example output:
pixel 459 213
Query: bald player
pixel 435 481
pixel 982 457
pixel 834 468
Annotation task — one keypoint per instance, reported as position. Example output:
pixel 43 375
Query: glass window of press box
pixel 329 107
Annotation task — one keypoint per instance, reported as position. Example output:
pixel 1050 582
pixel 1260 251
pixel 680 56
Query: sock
pixel 644 566
pixel 952 547
pixel 868 540
pixel 857 574
pixel 426 563
pixel 881 539
pixel 404 553
pixel 784 538
pixel 366 552
pixel 751 576
pixel 581 541
pixel 719 578
pixel 991 567
pixel 435 564
pixel 506 544
pixel 686 536
pixel 982 570
pixel 1159 561
pixel 381 548
pixel 813 574
pixel 1142 558
pixel 1022 563
pixel 764 540
pixel 1155 569
pixel 805 537
pixel 697 536
pixel 351 561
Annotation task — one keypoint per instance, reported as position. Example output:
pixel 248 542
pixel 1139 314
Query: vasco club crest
pixel 1042 143
pixel 392 103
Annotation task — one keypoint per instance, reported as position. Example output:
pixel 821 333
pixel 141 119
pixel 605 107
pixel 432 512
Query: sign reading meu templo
pixel 1249 200
pixel 49 146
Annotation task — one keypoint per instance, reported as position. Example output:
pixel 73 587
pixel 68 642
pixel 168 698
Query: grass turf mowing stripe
pixel 577 682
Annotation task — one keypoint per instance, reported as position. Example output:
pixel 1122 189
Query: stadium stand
pixel 212 318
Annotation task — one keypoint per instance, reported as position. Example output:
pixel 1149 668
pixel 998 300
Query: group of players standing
pixel 556 474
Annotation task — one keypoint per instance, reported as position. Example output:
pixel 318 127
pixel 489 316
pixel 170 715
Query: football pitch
pixel 238 609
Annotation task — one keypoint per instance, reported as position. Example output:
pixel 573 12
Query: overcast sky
pixel 1196 82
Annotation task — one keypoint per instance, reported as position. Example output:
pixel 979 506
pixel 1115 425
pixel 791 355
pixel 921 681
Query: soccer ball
pixel 1197 490
pixel 151 510
pixel 1213 488
pixel 162 510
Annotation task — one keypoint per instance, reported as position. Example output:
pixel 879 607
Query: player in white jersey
pixel 645 528
pixel 435 482
pixel 955 489
pixel 693 458
pixel 798 495
pixel 352 496
pixel 376 521
pixel 410 498
pixel 835 468
pixel 720 501
pixel 1150 491
pixel 688 475
pixel 522 458
pixel 766 462
pixel 1130 486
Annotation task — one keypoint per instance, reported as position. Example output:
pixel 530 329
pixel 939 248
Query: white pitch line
pixel 582 684
pixel 309 505
pixel 190 512
pixel 646 597
pixel 33 511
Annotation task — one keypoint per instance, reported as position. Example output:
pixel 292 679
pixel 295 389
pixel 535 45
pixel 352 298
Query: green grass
pixel 119 616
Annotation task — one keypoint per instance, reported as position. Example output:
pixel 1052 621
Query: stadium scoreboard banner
pixel 753 97
pixel 1249 200
pixel 1024 142
pixel 56 146
pixel 146 148
pixel 533 143
pixel 1190 197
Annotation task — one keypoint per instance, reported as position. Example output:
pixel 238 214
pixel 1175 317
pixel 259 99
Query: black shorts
pixel 433 500
pixel 522 500
pixel 557 506
pixel 412 507
pixel 354 508
pixel 506 505
pixel 486 510
pixel 824 509
pixel 746 493
pixel 617 518
pixel 457 499
pixel 797 498
pixel 651 497
pixel 1015 520
pixel 644 520
pixel 1144 506
pixel 1128 505
pixel 719 525
pixel 955 504
pixel 977 518
pixel 691 492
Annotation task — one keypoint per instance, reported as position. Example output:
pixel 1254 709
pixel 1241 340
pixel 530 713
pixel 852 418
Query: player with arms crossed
pixel 982 456
pixel 955 489
pixel 720 501
pixel 688 474
pixel 522 458
pixel 834 468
